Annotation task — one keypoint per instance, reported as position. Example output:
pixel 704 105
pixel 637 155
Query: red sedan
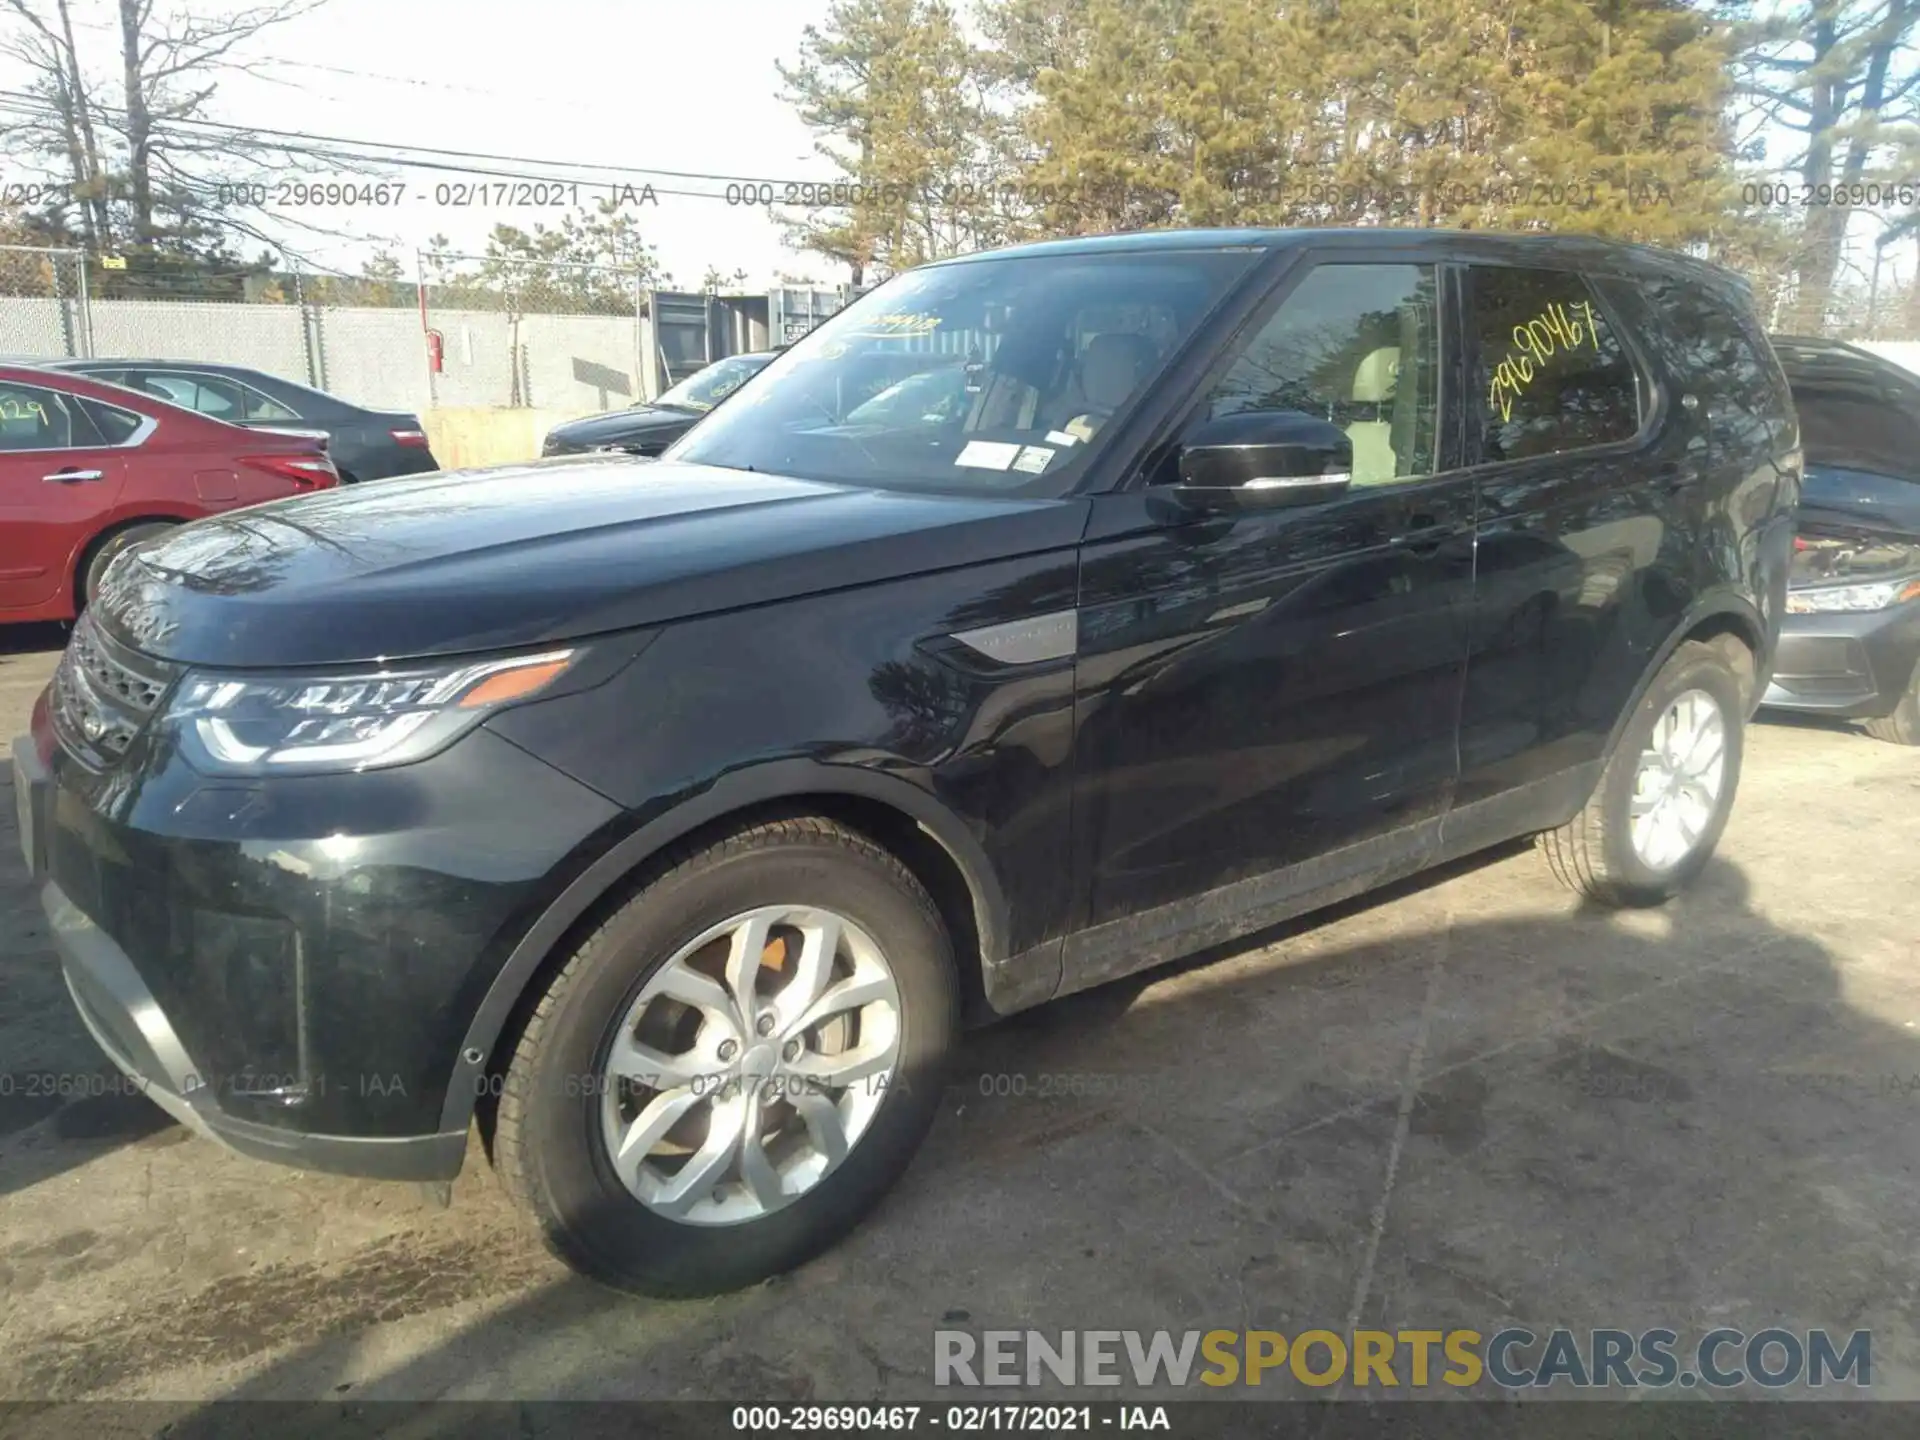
pixel 87 470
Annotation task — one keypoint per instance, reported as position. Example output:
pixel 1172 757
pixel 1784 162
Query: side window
pixel 257 406
pixel 219 399
pixel 35 419
pixel 116 426
pixel 1711 353
pixel 1357 345
pixel 1550 375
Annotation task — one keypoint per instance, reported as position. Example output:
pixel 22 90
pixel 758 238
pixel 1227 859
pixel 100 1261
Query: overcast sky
pixel 688 87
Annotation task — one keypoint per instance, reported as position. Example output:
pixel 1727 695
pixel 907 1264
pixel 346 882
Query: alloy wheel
pixel 1677 783
pixel 750 1065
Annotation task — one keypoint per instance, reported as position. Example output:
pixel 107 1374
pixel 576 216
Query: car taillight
pixel 310 472
pixel 415 439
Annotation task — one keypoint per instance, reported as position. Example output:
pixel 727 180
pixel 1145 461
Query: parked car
pixel 1850 646
pixel 648 429
pixel 670 818
pixel 365 444
pixel 88 471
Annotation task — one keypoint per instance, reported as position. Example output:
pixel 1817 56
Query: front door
pixel 58 478
pixel 1269 700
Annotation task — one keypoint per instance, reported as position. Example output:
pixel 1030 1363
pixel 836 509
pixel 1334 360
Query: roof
pixel 1587 250
pixel 80 362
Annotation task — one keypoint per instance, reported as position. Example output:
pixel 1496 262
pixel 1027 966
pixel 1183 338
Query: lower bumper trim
pixel 128 1024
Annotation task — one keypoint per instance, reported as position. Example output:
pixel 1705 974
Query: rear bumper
pixel 128 1023
pixel 1849 666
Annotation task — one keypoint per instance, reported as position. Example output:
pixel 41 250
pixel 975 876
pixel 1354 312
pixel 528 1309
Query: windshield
pixel 706 388
pixel 996 373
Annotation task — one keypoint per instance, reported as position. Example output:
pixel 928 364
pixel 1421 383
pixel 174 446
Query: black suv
pixel 671 818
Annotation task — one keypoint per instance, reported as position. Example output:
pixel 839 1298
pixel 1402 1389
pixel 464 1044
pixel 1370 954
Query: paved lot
pixel 1468 1103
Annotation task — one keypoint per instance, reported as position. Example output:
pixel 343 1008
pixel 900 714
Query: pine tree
pixel 894 93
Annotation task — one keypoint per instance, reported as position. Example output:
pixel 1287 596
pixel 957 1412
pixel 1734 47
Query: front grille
pixel 104 692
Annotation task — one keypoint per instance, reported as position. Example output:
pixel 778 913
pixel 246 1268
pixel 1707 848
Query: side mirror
pixel 1260 459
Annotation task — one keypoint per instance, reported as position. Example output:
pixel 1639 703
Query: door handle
pixel 68 477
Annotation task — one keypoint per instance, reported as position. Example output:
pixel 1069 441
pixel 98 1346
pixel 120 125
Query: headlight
pixel 1831 599
pixel 308 723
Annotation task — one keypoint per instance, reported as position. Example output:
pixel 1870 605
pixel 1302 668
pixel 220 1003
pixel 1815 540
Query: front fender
pixel 735 793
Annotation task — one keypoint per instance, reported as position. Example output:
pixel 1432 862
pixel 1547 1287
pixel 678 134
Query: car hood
pixel 527 555
pixel 639 423
pixel 1882 503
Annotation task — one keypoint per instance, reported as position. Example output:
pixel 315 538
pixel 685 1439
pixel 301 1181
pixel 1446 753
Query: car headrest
pixel 1379 373
pixel 1113 366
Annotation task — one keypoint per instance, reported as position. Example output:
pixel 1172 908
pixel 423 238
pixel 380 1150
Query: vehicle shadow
pixel 1401 1114
pixel 34 638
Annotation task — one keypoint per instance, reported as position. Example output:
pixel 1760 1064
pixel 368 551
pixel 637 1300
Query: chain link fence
pixel 44 310
pixel 532 333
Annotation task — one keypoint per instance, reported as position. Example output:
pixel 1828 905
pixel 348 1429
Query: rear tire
pixel 110 549
pixel 1902 727
pixel 1600 853
pixel 578 1146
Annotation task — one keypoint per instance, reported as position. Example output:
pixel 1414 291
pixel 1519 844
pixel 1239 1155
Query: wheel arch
pixel 83 557
pixel 907 821
pixel 1721 616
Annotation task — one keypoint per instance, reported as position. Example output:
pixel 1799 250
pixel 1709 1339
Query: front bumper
pixel 128 1023
pixel 1852 666
pixel 289 967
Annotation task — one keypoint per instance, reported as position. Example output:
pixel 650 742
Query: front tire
pixel 1667 790
pixel 1902 727
pixel 732 1070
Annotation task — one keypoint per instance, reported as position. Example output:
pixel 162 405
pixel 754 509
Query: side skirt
pixel 1139 942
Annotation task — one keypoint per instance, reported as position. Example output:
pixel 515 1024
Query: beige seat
pixel 1374 462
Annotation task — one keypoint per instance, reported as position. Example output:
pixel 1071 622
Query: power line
pixel 389 151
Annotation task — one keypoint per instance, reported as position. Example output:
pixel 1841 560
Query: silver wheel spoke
pixel 850 1066
pixel 755 1168
pixel 822 1119
pixel 850 994
pixel 747 944
pixel 657 1070
pixel 820 942
pixel 650 1126
pixel 702 992
pixel 696 1179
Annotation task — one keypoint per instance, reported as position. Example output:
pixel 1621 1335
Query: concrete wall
pixel 463 437
pixel 373 357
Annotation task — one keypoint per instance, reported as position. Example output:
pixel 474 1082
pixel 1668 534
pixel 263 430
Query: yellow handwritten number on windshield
pixel 1556 328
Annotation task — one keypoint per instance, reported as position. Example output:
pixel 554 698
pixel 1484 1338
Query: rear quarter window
pixel 1713 349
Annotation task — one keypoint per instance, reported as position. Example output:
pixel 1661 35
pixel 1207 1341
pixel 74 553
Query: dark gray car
pixel 649 429
pixel 365 444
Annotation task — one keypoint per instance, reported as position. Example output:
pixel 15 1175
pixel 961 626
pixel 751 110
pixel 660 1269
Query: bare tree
pixel 170 68
pixel 153 175
pixel 47 47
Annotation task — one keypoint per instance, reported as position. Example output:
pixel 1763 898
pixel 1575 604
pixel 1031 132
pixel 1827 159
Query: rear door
pixel 1577 507
pixel 59 478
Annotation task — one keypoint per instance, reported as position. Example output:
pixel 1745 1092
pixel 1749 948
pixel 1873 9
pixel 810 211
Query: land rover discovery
pixel 670 819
